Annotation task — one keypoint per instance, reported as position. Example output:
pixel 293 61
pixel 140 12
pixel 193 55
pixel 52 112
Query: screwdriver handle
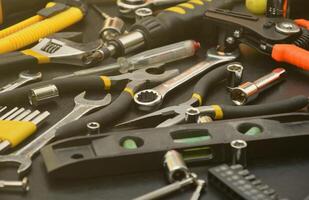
pixel 176 23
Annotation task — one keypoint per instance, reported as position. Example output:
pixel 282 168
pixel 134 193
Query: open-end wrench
pixel 152 98
pixel 24 77
pixel 23 156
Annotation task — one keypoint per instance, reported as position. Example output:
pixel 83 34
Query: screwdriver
pixel 154 57
pixel 171 25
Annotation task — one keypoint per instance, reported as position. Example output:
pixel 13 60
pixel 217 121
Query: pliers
pixel 283 39
pixel 53 18
pixel 129 83
pixel 179 114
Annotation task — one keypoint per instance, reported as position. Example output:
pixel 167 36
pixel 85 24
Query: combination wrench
pixel 24 77
pixel 151 99
pixel 23 156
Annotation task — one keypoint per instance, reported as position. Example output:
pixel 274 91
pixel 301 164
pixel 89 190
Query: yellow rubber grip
pixel 41 29
pixel 23 24
pixel 16 131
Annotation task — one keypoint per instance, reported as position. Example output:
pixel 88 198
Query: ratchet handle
pixel 207 82
pixel 284 106
pixel 291 54
pixel 177 23
pixel 303 23
pixel 104 116
pixel 16 59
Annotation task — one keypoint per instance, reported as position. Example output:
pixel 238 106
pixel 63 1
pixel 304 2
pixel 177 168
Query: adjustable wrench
pixel 152 98
pixel 24 77
pixel 23 156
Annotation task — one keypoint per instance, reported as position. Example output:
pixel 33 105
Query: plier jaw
pixel 281 38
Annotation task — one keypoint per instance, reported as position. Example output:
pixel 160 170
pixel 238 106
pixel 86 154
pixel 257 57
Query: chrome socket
pixel 175 167
pixel 235 71
pixel 42 95
pixel 248 91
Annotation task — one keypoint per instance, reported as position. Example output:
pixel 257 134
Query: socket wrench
pixel 248 91
pixel 151 99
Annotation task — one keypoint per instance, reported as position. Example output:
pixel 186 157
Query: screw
pixel 23 184
pixel 237 34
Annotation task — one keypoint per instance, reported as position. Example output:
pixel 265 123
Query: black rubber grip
pixel 208 81
pixel 284 106
pixel 171 26
pixel 105 117
pixel 15 60
pixel 11 8
pixel 66 86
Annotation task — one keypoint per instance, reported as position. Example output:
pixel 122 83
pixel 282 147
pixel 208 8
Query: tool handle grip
pixel 302 22
pixel 291 54
pixel 208 82
pixel 177 23
pixel 104 116
pixel 284 106
pixel 23 24
pixel 41 29
pixel 14 60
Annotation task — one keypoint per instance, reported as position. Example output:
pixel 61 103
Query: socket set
pixel 239 184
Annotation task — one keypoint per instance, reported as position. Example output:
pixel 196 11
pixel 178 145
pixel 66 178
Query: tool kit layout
pixel 154 99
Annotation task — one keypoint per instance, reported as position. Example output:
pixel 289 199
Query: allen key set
pixel 204 92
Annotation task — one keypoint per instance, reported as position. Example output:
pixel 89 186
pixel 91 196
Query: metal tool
pixel 281 38
pixel 93 128
pixel 167 27
pixel 199 188
pixel 275 8
pixel 152 98
pixel 198 144
pixel 237 183
pixel 248 91
pixel 142 13
pixel 44 94
pixel 235 71
pixel 12 129
pixel 127 7
pixel 23 184
pixel 175 167
pixel 177 114
pixel 23 156
pixel 47 21
pixel 169 188
pixel 112 26
pixel 24 77
pixel 154 57
pixel 52 49
pixel 239 152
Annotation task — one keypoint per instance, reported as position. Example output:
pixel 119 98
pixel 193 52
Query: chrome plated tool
pixel 23 156
pixel 151 99
pixel 24 77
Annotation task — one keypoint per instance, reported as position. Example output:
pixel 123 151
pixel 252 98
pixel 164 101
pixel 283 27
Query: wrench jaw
pixel 23 162
pixel 81 100
pixel 148 100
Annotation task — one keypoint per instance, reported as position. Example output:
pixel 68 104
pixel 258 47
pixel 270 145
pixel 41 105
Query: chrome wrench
pixel 23 156
pixel 151 99
pixel 24 77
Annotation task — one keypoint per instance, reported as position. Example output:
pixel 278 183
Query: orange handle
pixel 302 22
pixel 291 54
